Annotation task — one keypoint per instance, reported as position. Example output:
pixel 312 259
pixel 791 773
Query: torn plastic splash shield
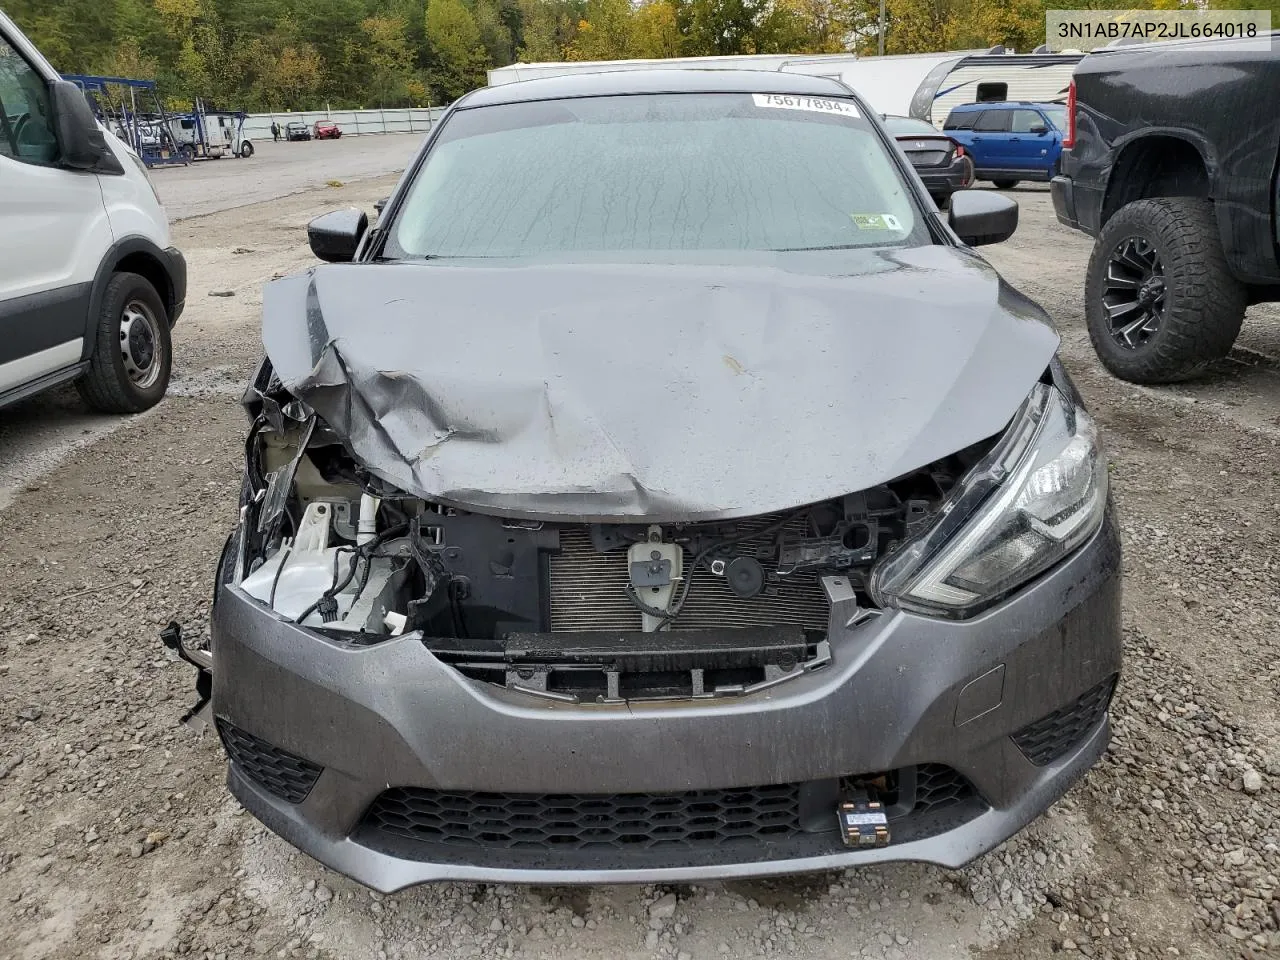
pixel 599 391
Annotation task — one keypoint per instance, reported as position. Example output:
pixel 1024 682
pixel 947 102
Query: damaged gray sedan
pixel 664 491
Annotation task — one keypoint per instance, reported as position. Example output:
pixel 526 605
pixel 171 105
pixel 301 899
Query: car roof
pixel 1002 105
pixel 656 80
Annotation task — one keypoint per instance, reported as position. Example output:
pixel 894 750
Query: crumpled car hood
pixel 607 391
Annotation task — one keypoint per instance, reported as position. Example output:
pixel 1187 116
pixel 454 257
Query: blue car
pixel 1010 142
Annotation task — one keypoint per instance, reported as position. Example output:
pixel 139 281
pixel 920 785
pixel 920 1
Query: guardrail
pixel 354 123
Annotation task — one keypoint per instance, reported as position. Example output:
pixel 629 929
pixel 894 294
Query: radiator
pixel 588 592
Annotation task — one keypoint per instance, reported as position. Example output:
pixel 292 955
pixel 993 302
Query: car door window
pixel 1024 120
pixel 960 121
pixel 993 121
pixel 26 122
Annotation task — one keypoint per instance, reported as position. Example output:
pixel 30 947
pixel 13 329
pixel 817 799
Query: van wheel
pixel 1160 301
pixel 1005 184
pixel 132 350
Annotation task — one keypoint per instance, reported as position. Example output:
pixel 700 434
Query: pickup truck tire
pixel 1005 184
pixel 1160 301
pixel 132 352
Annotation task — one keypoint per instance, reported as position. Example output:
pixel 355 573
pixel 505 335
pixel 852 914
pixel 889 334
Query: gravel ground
pixel 118 840
pixel 277 170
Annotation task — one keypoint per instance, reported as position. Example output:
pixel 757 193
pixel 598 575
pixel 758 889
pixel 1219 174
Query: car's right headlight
pixel 1039 494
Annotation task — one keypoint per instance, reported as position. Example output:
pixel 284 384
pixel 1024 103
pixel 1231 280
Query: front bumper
pixel 900 691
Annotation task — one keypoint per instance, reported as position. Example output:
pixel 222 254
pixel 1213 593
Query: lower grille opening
pixel 279 772
pixel 662 683
pixel 631 830
pixel 1053 736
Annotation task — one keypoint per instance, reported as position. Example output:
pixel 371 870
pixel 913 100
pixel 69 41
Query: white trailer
pixel 1038 78
pixel 889 83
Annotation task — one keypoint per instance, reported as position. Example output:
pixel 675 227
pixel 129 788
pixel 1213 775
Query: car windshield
pixel 909 127
pixel 701 172
pixel 1057 115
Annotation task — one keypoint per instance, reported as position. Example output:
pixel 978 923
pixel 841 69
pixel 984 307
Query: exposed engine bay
pixel 562 609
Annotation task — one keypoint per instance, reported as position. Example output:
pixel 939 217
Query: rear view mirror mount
pixel 980 217
pixel 335 237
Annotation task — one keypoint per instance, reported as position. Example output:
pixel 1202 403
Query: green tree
pixel 1272 5
pixel 495 33
pixel 386 52
pixel 458 58
pixel 604 32
pixel 192 73
pixel 653 30
pixel 548 27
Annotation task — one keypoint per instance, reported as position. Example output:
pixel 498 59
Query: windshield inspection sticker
pixel 785 101
pixel 876 221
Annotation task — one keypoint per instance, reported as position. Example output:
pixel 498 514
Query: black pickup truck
pixel 1170 163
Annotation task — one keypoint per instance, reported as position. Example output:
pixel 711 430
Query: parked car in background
pixel 326 130
pixel 1170 166
pixel 296 130
pixel 89 284
pixel 1010 142
pixel 843 588
pixel 939 160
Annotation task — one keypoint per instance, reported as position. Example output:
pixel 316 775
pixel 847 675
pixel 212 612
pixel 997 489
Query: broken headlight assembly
pixel 1039 494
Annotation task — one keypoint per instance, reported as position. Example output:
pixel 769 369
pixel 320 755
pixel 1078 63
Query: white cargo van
pixel 89 284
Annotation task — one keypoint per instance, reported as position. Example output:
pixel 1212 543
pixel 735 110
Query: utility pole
pixel 880 32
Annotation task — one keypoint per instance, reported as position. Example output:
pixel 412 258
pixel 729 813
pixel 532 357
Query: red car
pixel 326 130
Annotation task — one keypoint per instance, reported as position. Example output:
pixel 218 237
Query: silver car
pixel 662 490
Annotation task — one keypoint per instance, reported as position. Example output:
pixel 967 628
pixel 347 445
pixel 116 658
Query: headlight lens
pixel 1036 497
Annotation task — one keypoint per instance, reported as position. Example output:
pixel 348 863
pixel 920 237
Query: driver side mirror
pixel 335 237
pixel 982 216
pixel 81 144
pixel 1039 129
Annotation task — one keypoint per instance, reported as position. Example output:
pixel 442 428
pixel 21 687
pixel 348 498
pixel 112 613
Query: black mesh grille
pixel 624 830
pixel 568 822
pixel 277 771
pixel 1052 737
pixel 939 787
